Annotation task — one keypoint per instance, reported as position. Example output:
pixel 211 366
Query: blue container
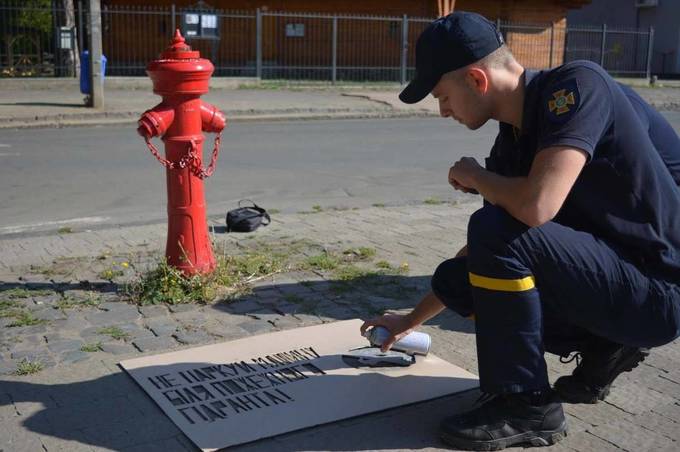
pixel 85 87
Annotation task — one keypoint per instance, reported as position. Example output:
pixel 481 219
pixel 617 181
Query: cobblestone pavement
pixel 80 326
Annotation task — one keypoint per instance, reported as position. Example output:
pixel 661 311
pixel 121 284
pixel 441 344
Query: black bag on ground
pixel 247 219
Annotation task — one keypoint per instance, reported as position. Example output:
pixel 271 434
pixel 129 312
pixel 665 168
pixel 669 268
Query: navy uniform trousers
pixel 549 288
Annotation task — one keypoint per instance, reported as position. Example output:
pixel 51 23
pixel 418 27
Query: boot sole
pixel 528 439
pixel 591 398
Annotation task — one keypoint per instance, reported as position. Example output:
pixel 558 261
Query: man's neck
pixel 510 106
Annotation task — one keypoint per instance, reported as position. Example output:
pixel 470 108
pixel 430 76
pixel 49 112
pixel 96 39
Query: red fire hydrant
pixel 180 76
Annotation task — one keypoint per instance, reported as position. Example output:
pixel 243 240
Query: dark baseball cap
pixel 447 44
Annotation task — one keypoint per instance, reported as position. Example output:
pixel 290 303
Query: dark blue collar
pixel 530 101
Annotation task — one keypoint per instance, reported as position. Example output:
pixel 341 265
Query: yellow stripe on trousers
pixel 502 285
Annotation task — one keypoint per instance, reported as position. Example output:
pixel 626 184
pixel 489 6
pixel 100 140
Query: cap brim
pixel 417 90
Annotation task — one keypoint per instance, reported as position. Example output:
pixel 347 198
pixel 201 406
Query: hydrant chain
pixel 191 158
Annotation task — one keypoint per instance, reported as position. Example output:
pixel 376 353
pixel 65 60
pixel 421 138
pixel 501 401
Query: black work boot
pixel 506 420
pixel 598 366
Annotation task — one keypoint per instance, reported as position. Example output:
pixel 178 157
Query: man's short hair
pixel 499 58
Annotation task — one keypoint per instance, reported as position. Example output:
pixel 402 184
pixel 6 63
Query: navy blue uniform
pixel 607 265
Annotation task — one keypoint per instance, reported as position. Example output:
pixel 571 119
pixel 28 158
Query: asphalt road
pixel 103 176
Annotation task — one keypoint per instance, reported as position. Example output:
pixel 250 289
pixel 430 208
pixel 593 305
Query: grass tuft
pixel 24 318
pixel 20 292
pixel 26 367
pixel 433 201
pixel 324 261
pixel 114 332
pixel 92 348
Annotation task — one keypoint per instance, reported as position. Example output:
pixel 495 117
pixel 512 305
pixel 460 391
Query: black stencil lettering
pixel 187 377
pixel 272 379
pixel 200 389
pixel 212 414
pixel 210 371
pixel 284 394
pixel 247 402
pixel 191 395
pixel 258 398
pixel 246 384
pixel 313 368
pixel 186 416
pixel 261 362
pixel 245 367
pixel 176 398
pixel 202 376
pixel 273 360
pixel 236 406
pixel 257 380
pixel 312 352
pixel 233 387
pixel 219 406
pixel 199 413
pixel 153 380
pixel 219 387
pixel 299 356
pixel 273 398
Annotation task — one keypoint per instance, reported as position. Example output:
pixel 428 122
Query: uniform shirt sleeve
pixel 575 110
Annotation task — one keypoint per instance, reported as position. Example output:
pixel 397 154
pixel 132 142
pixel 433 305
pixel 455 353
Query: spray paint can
pixel 414 343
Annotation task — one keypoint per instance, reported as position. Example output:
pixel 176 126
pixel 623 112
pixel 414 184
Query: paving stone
pixel 74 356
pixel 182 307
pixel 153 311
pixel 113 317
pixel 92 334
pixel 587 442
pixel 192 337
pixel 164 445
pixel 7 367
pixel 118 348
pixel 265 314
pixel 287 322
pixel 150 344
pixel 242 306
pixel 64 345
pixel 635 399
pixel 48 313
pixel 116 306
pixel 31 355
pixel 671 411
pixel 629 436
pixel 256 326
pixel 162 327
pixel 135 331
pixel 658 423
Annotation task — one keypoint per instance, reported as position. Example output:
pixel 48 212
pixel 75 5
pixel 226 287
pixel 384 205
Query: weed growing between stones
pixel 20 292
pixel 231 277
pixel 26 367
pixel 92 348
pixel 114 332
pixel 22 317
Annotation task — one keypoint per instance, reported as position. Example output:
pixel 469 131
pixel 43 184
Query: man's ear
pixel 477 80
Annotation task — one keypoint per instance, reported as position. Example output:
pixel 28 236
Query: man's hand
pixel 398 325
pixel 462 174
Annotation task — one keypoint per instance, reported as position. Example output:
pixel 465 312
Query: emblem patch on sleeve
pixel 563 101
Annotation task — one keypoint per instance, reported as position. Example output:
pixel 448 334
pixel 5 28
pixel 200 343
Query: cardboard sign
pixel 235 392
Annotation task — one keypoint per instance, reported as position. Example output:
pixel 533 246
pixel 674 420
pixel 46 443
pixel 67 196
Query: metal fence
pixel 37 39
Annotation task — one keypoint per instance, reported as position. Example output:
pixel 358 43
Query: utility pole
pixel 96 76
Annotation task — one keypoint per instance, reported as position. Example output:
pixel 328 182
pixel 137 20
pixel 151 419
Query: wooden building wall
pixel 360 43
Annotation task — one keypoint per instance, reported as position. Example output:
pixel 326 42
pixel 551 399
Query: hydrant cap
pixel 179 49
pixel 180 70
